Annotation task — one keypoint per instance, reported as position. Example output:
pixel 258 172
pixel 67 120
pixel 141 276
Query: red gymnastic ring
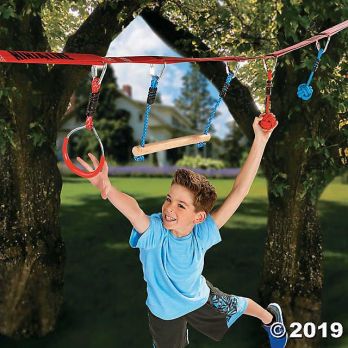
pixel 75 169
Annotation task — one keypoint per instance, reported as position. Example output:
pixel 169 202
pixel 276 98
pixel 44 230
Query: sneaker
pixel 276 331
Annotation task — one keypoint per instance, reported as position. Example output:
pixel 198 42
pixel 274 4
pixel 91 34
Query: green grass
pixel 104 288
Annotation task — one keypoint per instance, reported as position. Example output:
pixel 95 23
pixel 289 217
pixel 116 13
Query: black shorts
pixel 213 319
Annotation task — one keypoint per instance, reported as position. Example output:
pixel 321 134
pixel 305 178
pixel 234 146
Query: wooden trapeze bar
pixel 170 144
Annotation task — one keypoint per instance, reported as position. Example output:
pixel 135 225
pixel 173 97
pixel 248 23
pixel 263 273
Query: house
pixel 165 122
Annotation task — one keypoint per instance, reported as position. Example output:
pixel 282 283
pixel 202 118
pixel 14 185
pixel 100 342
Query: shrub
pixel 200 162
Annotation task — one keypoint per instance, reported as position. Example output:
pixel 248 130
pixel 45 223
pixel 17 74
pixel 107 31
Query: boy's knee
pixel 248 302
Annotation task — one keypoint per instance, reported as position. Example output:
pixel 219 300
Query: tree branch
pixel 239 100
pixel 94 36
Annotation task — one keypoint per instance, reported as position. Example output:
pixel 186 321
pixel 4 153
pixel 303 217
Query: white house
pixel 165 122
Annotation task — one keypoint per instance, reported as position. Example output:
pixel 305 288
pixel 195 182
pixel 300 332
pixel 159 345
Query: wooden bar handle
pixel 170 144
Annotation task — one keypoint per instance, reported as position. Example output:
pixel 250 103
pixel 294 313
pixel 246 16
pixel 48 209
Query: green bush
pixel 200 162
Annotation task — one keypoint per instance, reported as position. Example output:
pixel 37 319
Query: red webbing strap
pixel 91 59
pixel 50 58
pixel 326 33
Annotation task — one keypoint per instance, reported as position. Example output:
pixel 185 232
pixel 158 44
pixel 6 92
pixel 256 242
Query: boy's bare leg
pixel 255 310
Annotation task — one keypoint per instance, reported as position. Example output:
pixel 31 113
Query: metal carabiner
pixel 94 72
pixel 236 69
pixel 317 44
pixel 152 70
pixel 267 68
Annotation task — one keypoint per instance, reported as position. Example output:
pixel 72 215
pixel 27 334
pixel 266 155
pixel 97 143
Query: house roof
pixel 156 111
pixel 158 108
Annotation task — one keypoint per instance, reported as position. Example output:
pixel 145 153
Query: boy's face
pixel 178 211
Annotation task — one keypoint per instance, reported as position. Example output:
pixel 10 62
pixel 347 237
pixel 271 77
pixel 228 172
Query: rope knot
pixel 139 158
pixel 304 91
pixel 268 121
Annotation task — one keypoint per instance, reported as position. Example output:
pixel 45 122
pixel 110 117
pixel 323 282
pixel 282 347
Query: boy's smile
pixel 178 212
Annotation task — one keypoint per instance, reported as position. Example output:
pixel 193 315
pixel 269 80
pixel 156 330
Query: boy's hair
pixel 204 194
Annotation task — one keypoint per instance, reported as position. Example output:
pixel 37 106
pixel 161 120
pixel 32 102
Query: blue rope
pixel 223 92
pixel 150 100
pixel 305 90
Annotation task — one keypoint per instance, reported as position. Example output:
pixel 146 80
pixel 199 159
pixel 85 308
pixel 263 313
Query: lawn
pixel 104 288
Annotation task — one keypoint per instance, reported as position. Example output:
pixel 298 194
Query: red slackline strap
pixel 27 57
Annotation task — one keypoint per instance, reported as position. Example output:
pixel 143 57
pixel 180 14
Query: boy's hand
pixel 101 180
pixel 260 133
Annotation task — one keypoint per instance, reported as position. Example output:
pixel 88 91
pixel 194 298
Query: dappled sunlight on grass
pixel 117 246
pixel 335 256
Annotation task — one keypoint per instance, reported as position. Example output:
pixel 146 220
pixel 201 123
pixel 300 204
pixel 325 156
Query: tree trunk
pixel 292 274
pixel 31 248
pixel 33 98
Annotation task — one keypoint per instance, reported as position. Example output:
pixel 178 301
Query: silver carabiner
pixel 274 66
pixel 317 44
pixel 152 70
pixel 237 67
pixel 94 71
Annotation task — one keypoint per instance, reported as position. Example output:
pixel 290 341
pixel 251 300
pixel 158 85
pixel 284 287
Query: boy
pixel 172 247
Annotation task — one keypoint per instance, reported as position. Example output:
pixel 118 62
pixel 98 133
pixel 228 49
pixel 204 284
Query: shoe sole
pixel 278 313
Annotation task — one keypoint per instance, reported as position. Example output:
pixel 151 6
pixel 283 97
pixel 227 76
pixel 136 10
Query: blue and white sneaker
pixel 276 331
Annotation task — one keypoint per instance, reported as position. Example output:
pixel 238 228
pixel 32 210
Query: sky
pixel 137 39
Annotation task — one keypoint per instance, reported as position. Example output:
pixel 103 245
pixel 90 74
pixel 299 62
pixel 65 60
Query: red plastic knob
pixel 268 121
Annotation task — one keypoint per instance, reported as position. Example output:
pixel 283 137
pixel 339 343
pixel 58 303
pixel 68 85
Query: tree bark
pixel 292 272
pixel 31 248
pixel 33 99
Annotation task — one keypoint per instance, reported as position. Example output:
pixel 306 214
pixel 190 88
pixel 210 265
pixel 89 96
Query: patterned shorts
pixel 212 319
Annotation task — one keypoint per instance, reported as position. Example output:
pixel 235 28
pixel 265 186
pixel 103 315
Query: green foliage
pixel 195 102
pixel 200 162
pixel 62 18
pixel 236 146
pixel 6 136
pixel 230 28
pixel 37 134
pixel 309 17
pixel 279 184
pixel 5 92
pixel 8 10
pixel 252 28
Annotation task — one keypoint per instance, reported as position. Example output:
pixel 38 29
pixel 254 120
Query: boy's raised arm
pixel 246 176
pixel 126 204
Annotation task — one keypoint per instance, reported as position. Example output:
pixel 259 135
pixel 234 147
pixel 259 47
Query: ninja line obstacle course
pixel 268 121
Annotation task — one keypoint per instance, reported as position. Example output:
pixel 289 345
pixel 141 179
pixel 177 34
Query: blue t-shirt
pixel 173 266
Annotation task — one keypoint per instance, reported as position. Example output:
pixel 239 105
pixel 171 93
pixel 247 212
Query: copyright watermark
pixel 311 330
